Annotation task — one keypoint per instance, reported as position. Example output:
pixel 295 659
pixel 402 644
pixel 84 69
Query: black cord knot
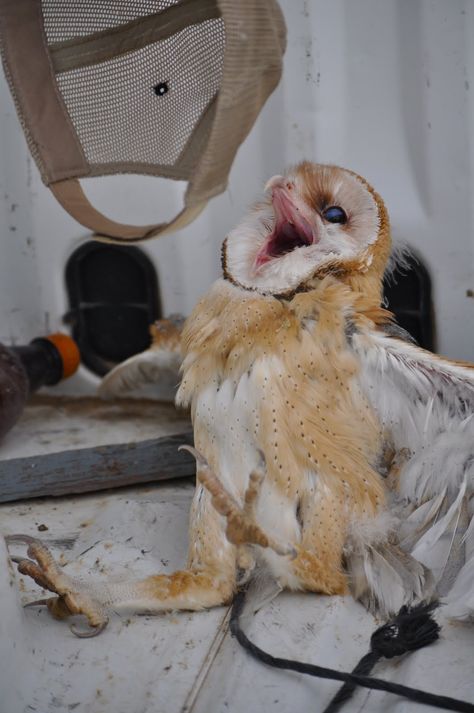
pixel 419 629
pixel 412 628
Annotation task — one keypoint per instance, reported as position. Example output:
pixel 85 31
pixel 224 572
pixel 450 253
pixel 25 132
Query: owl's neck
pixel 231 328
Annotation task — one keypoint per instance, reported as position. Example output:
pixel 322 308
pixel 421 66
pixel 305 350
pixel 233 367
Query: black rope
pixel 412 629
pixel 353 679
pixel 363 668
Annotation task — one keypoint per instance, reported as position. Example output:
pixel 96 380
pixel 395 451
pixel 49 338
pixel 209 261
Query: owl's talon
pixel 17 559
pixel 47 574
pixel 38 603
pixel 198 457
pixel 21 539
pixel 88 633
pixel 242 528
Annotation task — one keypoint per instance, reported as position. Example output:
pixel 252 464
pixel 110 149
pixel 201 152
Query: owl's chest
pixel 226 427
pixel 303 422
pixel 278 380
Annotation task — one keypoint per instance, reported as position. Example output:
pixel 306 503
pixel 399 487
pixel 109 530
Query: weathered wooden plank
pixel 65 446
pixel 88 469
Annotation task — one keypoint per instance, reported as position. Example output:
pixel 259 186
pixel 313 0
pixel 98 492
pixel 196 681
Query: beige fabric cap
pixel 162 87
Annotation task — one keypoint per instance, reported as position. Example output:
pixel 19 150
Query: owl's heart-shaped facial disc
pixel 312 221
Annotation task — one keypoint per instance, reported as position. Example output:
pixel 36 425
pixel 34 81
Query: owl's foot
pixel 242 528
pixel 48 575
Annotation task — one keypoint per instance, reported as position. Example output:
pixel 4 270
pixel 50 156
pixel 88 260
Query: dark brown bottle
pixel 24 369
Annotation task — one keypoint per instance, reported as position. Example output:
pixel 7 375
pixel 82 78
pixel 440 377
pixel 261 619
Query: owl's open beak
pixel 291 229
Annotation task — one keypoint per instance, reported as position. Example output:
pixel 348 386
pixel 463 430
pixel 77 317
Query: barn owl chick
pixel 330 452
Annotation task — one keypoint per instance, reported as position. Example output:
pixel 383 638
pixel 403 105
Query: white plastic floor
pixel 179 661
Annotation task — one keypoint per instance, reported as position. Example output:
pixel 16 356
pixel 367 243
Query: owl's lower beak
pixel 291 230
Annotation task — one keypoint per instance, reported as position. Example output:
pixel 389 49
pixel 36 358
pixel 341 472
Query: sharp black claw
pixel 200 460
pixel 38 603
pixel 22 539
pixel 17 559
pixel 89 633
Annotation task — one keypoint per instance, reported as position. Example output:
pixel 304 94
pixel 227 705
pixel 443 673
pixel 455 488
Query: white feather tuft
pixel 459 602
pixel 398 261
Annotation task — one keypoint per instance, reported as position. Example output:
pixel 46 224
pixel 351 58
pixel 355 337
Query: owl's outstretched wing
pixel 426 407
pixel 160 362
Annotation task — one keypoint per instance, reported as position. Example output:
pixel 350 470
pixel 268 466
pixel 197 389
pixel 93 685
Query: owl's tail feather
pixel 381 575
pixel 439 533
pixel 459 601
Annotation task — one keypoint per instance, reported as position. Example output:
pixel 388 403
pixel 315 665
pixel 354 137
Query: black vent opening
pixel 407 293
pixel 113 297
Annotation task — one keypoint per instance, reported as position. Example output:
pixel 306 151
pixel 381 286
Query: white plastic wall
pixel 384 87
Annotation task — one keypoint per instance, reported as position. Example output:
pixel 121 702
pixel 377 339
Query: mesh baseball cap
pixel 166 88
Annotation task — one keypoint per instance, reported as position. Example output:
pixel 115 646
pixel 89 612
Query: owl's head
pixel 315 220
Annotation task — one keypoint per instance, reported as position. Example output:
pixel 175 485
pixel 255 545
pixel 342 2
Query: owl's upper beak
pixel 291 230
pixel 273 182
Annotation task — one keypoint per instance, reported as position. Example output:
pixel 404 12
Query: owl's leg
pixel 242 528
pixel 209 580
pixel 318 566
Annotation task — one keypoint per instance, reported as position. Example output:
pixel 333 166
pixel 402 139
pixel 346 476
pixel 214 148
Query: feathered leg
pixel 314 564
pixel 318 565
pixel 242 528
pixel 209 580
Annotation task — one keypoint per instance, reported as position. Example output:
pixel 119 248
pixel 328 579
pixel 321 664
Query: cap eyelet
pixel 161 88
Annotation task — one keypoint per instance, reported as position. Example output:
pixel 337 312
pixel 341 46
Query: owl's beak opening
pixel 291 229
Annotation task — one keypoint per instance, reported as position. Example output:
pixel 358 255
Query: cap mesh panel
pixel 117 114
pixel 89 97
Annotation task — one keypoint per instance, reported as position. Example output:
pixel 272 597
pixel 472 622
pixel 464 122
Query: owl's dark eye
pixel 335 214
